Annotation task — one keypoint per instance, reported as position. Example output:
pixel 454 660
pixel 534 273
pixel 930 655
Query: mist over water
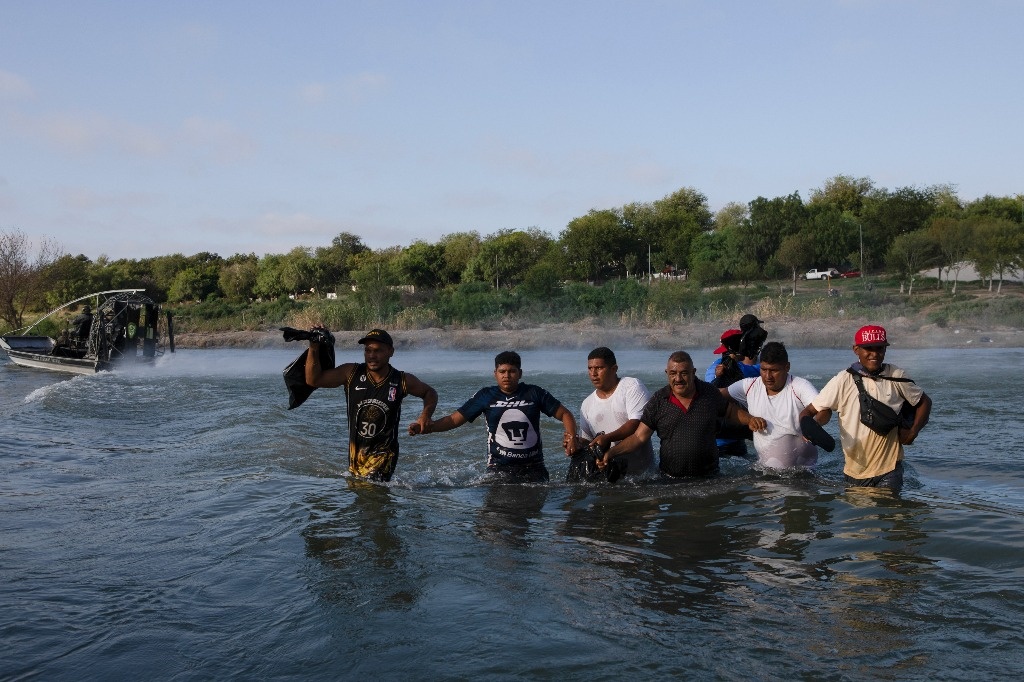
pixel 182 523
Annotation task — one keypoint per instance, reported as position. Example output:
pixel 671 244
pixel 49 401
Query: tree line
pixel 848 223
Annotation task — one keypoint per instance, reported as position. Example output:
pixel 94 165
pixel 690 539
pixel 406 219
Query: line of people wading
pixel 748 394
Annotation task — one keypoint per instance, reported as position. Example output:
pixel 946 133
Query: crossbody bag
pixel 878 416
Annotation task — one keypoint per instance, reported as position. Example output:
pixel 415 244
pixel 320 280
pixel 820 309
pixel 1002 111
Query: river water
pixel 180 523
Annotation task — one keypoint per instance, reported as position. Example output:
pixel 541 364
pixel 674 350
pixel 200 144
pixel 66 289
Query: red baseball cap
pixel 870 335
pixel 729 333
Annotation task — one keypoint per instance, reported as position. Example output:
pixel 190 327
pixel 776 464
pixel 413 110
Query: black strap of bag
pixel 875 414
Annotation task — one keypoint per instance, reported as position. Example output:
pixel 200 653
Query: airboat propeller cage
pixel 125 320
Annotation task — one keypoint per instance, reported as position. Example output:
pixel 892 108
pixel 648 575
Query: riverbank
pixel 822 333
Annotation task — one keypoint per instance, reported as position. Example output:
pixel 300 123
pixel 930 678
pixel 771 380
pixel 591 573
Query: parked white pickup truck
pixel 821 274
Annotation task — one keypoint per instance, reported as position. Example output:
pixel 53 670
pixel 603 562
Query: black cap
pixel 748 321
pixel 378 335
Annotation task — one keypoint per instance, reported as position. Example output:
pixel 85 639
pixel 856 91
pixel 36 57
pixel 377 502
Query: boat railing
pixel 70 303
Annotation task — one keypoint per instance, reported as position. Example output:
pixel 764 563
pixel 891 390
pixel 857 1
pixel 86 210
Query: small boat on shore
pixel 123 330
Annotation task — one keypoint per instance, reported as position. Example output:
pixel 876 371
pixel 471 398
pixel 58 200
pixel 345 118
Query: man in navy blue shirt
pixel 512 409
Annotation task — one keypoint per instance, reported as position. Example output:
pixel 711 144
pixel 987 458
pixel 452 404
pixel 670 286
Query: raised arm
pixel 324 378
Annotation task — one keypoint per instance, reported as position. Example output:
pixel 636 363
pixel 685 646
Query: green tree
pixel 459 249
pixel 988 206
pixel 771 220
pixel 298 270
pixel 378 275
pixel 910 253
pixel 542 281
pixel 125 273
pixel 349 244
pixel 947 203
pixel 997 249
pixel 207 265
pixel 162 271
pixel 708 259
pixel 505 256
pixel 831 237
pixel 844 193
pixel 954 238
pixel 269 283
pixel 680 218
pixel 237 278
pixel 886 215
pixel 595 245
pixel 422 264
pixel 732 215
pixel 70 277
pixel 793 254
pixel 644 244
pixel 332 265
pixel 189 285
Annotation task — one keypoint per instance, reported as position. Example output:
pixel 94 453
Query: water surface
pixel 183 524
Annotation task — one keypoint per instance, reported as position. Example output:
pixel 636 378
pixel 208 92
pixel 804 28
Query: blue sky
pixel 137 129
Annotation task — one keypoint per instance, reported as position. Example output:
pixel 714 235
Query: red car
pixel 851 273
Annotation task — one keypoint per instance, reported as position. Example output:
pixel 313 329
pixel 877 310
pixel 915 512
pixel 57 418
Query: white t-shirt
pixel 604 415
pixel 781 445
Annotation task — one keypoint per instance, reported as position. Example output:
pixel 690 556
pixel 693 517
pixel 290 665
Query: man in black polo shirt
pixel 685 415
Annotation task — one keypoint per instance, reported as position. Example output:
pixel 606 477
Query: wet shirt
pixel 374 412
pixel 513 422
pixel 688 445
pixel 782 434
pixel 605 415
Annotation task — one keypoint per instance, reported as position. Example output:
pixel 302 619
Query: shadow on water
pixel 754 560
pixel 507 513
pixel 353 533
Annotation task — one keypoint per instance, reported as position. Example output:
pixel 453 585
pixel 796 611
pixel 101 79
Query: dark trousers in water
pixel 892 480
pixel 517 473
pixel 733 448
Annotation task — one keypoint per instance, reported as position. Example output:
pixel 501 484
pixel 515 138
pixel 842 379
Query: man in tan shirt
pixel 871 459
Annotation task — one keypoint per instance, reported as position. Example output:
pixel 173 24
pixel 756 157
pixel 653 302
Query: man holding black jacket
pixel 374 390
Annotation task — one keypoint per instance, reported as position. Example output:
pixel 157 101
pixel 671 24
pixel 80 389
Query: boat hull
pixel 52 362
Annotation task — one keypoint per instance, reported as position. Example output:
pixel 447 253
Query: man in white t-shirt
pixel 778 397
pixel 612 412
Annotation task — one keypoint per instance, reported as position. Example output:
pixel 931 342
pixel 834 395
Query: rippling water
pixel 181 523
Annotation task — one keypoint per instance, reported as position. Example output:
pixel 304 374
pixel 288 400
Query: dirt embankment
pixel 903 333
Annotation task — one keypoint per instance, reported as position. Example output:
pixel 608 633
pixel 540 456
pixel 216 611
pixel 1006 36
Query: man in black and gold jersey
pixel 374 390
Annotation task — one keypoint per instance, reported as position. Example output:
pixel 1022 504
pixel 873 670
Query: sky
pixel 139 129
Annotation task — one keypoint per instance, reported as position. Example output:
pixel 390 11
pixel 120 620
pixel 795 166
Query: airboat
pixel 122 328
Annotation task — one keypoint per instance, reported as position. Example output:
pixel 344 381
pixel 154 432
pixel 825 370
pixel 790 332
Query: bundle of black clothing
pixel 295 372
pixel 583 466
